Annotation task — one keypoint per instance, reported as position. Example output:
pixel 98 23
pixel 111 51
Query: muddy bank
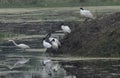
pixel 99 37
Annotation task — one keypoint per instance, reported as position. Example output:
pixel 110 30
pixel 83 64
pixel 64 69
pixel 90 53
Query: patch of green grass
pixel 55 3
pixel 1 36
pixel 7 35
pixel 51 14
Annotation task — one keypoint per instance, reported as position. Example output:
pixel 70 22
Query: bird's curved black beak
pixel 81 8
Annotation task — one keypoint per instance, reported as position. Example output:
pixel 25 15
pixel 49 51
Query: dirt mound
pixel 100 37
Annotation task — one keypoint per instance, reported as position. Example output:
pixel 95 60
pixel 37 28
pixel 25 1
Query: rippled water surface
pixel 12 59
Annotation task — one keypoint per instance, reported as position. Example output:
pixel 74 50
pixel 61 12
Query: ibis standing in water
pixel 86 13
pixel 65 28
pixel 54 44
pixel 53 39
pixel 22 46
pixel 46 43
pixel 50 42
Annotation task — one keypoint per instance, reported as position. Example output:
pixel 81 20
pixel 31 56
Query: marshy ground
pixel 30 25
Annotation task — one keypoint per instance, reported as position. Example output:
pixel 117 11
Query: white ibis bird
pixel 54 44
pixel 86 13
pixel 65 28
pixel 46 43
pixel 22 46
pixel 54 39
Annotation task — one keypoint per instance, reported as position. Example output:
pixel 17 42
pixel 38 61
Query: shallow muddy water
pixel 12 64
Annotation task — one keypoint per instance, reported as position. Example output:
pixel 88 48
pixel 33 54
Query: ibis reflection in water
pixel 52 68
pixel 17 64
pixel 27 66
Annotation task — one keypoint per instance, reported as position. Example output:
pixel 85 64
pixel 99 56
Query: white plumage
pixel 56 40
pixel 50 42
pixel 65 29
pixel 54 44
pixel 22 61
pixel 46 44
pixel 70 76
pixel 86 13
pixel 45 61
pixel 22 46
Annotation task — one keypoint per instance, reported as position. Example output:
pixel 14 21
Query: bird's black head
pixel 81 8
pixel 61 24
pixel 53 39
pixel 48 35
pixel 43 39
pixel 54 70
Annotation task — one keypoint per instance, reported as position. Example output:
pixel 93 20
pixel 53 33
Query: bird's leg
pixel 24 50
pixel 86 19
